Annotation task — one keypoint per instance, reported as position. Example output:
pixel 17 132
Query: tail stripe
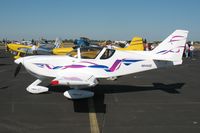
pixel 176 38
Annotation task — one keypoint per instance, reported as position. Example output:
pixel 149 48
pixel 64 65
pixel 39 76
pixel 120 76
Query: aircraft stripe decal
pixel 177 50
pixel 116 65
pixel 98 66
pixel 176 38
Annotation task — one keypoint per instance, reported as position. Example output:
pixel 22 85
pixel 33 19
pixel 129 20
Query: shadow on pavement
pixel 81 106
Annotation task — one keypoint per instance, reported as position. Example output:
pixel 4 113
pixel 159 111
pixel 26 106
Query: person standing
pixel 146 45
pixel 186 50
pixel 34 48
pixel 191 50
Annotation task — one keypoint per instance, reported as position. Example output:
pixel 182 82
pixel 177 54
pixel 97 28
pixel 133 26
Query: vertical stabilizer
pixel 172 47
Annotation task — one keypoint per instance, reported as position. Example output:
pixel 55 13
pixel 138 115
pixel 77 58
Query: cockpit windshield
pixel 90 52
pixel 86 52
pixel 108 53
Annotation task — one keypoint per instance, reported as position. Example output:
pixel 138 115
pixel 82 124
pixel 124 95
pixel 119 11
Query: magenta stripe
pixel 115 65
pixel 48 66
pixel 176 36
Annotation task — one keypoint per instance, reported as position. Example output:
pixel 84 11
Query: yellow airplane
pixel 136 44
pixel 62 51
pixel 18 50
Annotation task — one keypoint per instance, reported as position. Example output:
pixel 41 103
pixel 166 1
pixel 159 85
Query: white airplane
pixel 83 67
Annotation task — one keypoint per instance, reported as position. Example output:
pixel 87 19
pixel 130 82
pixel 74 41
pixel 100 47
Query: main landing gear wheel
pixel 78 94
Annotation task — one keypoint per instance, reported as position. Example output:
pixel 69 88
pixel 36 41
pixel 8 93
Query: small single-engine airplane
pixel 20 50
pixel 82 67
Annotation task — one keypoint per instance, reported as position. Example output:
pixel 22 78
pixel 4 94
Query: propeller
pixel 18 68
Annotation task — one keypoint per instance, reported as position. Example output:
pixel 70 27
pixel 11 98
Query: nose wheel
pixel 34 88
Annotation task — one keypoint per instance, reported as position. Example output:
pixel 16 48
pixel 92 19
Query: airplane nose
pixel 18 61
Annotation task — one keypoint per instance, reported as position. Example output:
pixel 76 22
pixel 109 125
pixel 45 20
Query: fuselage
pixel 82 67
pixel 118 63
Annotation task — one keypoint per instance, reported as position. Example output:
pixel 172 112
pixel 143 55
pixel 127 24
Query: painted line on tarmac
pixel 94 127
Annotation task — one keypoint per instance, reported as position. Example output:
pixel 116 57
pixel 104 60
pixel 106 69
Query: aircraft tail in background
pixel 136 44
pixel 57 43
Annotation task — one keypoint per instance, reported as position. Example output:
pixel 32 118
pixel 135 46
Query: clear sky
pixel 98 19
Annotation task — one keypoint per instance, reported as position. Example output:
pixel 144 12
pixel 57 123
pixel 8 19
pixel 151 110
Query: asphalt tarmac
pixel 158 101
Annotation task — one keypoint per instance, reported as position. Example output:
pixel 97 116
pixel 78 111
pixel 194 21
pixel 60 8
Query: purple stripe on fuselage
pixel 114 66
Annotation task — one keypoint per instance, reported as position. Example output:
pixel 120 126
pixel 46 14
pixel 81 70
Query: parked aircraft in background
pixel 135 44
pixel 82 67
pixel 17 49
pixel 20 50
pixel 81 42
pixel 63 50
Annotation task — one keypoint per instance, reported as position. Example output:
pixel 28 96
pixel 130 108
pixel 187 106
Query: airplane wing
pixel 25 50
pixel 75 80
